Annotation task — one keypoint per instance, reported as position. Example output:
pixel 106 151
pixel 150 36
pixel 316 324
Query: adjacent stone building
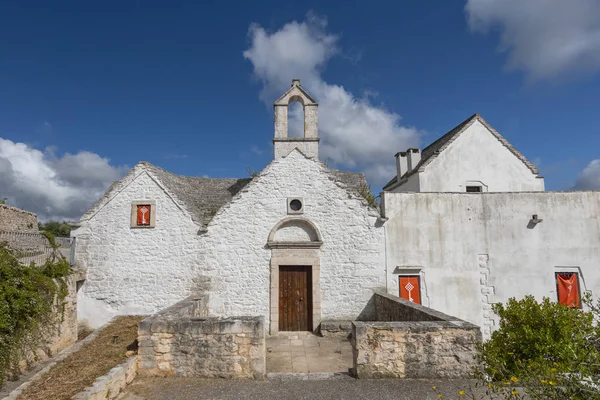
pixel 465 223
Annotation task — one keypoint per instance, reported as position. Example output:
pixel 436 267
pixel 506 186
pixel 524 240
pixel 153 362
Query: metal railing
pixel 35 247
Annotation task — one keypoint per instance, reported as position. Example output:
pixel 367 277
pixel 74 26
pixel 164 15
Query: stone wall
pixel 437 346
pixel 108 387
pixel 63 334
pixel 179 342
pixel 15 219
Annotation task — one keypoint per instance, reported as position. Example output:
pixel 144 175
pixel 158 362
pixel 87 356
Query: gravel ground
pixel 346 388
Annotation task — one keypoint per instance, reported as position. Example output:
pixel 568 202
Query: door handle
pixel 301 299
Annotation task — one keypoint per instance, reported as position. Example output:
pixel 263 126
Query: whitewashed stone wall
pixel 135 270
pixel 145 270
pixel 351 257
pixel 475 158
pixel 478 249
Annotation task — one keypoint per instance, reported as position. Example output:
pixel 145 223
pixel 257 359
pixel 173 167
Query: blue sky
pixel 89 89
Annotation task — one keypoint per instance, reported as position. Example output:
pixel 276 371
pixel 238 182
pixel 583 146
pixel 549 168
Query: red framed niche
pixel 567 289
pixel 410 288
pixel 143 214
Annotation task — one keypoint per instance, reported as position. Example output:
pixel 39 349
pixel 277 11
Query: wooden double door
pixel 295 298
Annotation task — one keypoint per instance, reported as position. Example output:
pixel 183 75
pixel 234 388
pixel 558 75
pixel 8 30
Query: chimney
pixel 401 166
pixel 413 157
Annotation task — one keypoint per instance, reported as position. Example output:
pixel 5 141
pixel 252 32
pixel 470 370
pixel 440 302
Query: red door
pixel 295 298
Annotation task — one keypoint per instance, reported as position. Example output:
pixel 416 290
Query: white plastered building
pixel 466 222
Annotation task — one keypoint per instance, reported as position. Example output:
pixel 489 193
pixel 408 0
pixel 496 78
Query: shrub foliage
pixel 548 349
pixel 30 301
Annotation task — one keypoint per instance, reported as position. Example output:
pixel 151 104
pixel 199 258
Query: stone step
pixel 309 376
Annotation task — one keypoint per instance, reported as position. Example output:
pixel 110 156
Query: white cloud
pixel 545 38
pixel 53 187
pixel 589 178
pixel 354 132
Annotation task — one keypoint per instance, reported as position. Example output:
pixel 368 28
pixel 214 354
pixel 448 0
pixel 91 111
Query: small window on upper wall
pixel 567 288
pixel 143 214
pixel 410 288
pixel 474 189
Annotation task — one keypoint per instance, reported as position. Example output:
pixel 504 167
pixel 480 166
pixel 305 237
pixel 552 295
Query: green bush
pixel 29 296
pixel 56 228
pixel 547 348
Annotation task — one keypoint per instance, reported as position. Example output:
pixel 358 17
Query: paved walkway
pixel 304 352
pixel 193 388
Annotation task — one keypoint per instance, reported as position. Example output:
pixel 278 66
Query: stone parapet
pixel 335 328
pixel 412 341
pixel 177 342
pixel 393 308
pixel 414 349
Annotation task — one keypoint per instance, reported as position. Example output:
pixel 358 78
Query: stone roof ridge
pixel 430 152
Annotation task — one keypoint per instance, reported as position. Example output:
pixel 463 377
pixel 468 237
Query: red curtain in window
pixel 568 289
pixel 143 215
pixel 410 288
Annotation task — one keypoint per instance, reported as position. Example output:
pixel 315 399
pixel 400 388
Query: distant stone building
pixel 465 225
pixel 13 219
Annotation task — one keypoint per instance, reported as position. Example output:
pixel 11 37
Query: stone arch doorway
pixel 295 287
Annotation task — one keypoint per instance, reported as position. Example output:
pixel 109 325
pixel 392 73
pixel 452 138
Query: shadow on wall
pixel 369 312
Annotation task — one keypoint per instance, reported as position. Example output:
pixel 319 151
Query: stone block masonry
pixel 180 344
pixel 109 386
pixel 412 341
pixel 16 220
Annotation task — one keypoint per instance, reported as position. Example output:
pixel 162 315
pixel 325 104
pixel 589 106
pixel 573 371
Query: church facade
pixel 464 223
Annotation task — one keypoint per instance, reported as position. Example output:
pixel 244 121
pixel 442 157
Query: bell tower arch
pixel 309 143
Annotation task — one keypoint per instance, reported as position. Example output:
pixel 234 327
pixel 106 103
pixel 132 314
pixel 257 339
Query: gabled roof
pixel 294 90
pixel 430 152
pixel 200 197
pixel 203 197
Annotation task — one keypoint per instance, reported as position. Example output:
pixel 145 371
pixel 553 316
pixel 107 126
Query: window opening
pixel 567 289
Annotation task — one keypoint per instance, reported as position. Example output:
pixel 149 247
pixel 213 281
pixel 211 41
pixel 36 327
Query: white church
pixel 464 223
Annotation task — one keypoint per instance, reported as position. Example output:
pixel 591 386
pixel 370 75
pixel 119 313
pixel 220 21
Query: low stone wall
pixel 178 342
pixel 436 346
pixel 335 328
pixel 25 383
pixel 110 385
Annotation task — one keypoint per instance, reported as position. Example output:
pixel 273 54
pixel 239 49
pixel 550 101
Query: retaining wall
pixel 182 341
pixel 412 341
pixel 110 385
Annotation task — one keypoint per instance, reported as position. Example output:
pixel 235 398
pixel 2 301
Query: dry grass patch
pixel 94 359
